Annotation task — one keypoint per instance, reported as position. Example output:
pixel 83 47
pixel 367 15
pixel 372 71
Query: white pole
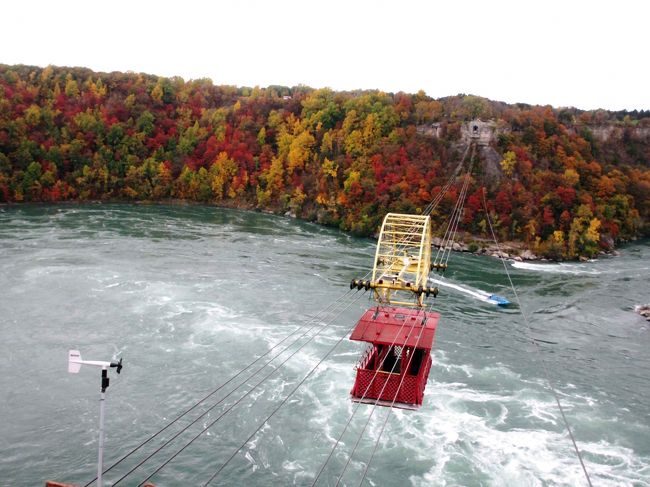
pixel 100 460
pixel 100 455
pixel 74 364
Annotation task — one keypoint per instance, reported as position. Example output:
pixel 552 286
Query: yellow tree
pixel 571 177
pixel 261 137
pixel 371 130
pixel 157 93
pixel 327 145
pixel 584 233
pixel 163 181
pixel 71 87
pixel 299 151
pixel 508 163
pixel 222 172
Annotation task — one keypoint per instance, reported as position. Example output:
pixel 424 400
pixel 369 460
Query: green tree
pixel 145 123
pixel 31 185
pixel 71 87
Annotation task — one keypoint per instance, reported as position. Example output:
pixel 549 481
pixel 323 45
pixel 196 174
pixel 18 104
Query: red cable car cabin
pixel 395 368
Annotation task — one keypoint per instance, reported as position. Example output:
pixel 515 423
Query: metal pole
pixel 100 458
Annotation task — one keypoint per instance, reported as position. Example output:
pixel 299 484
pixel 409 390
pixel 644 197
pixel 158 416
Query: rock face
pixel 505 251
pixel 644 311
pixel 500 254
pixel 605 132
pixel 433 130
pixel 528 255
pixel 455 246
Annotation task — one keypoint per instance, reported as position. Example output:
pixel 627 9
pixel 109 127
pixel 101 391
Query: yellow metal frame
pixel 402 260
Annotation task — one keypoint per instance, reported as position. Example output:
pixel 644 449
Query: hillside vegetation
pixel 565 182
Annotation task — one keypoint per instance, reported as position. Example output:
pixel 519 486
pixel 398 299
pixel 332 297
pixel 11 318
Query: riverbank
pixel 517 251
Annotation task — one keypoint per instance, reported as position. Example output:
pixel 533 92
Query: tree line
pixel 339 158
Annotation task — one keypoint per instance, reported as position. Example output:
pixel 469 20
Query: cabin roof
pixel 397 326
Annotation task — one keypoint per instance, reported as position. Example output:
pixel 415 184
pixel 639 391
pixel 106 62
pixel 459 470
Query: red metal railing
pixel 407 389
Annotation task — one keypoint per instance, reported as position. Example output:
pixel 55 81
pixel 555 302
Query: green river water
pixel 190 296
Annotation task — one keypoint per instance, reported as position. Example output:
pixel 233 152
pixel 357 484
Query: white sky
pixel 588 54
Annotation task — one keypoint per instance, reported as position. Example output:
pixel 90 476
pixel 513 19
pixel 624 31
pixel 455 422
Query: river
pixel 188 296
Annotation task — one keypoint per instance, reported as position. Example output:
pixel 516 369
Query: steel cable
pixel 537 349
pixel 363 396
pixel 450 231
pixel 206 428
pixel 429 209
pixel 329 308
pixel 284 401
pixel 377 402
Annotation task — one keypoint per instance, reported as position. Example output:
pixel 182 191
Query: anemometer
pixel 74 365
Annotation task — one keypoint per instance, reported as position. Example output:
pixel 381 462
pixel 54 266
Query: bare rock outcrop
pixel 644 311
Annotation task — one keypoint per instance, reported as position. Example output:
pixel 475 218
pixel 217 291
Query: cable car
pixel 399 330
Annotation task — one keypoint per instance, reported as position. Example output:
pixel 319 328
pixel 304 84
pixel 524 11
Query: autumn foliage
pixel 567 182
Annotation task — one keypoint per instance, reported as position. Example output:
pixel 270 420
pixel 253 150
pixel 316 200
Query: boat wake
pixel 484 296
pixel 560 268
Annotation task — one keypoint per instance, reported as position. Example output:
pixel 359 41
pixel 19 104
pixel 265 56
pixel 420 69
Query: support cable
pixel 332 306
pixel 537 349
pixel 374 407
pixel 452 227
pixel 363 396
pixel 436 200
pixel 432 205
pixel 438 258
pixel 206 428
pixel 459 214
pixel 279 406
pixel 450 233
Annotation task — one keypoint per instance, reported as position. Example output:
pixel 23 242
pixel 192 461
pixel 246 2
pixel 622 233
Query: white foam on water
pixel 310 356
pixel 252 444
pixel 560 268
pixel 484 426
pixel 496 447
pixel 480 295
pixel 292 466
pixel 251 460
pixel 217 321
pixel 301 475
pixel 475 293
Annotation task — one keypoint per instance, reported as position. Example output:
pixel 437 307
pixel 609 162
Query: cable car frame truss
pixel 402 262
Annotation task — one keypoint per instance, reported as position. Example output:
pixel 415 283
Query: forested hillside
pixel 566 182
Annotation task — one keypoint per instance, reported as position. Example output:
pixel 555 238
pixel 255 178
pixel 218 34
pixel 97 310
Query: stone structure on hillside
pixel 478 131
pixel 482 132
pixel 434 130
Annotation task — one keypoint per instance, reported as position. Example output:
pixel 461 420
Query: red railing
pixel 369 384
